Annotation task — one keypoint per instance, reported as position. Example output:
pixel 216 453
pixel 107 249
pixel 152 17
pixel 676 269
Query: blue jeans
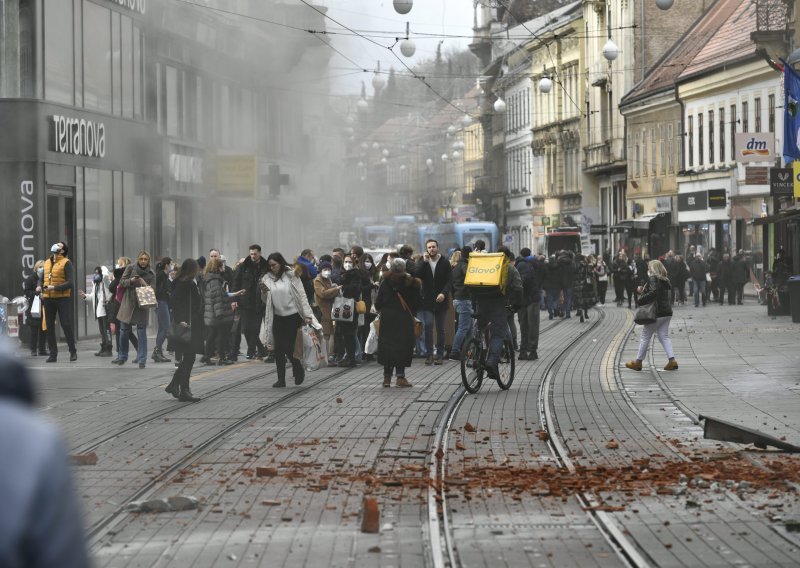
pixel 141 350
pixel 567 300
pixel 552 300
pixel 428 319
pixel 464 310
pixel 699 291
pixel 164 320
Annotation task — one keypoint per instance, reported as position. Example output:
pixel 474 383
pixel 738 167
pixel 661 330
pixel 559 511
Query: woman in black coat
pixel 658 291
pixel 351 288
pixel 396 336
pixel 38 335
pixel 187 310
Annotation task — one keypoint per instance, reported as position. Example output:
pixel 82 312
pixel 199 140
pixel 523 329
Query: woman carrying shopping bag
pixel 287 308
pixel 131 313
pixel 100 296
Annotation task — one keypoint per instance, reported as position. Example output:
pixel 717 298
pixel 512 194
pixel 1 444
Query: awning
pixel 640 224
pixel 780 217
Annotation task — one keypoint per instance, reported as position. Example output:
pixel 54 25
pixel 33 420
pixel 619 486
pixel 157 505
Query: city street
pixel 581 463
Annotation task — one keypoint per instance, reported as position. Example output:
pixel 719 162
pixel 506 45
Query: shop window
pixel 711 137
pixel 757 112
pixel 722 134
pixel 99 219
pixel 771 111
pixel 732 132
pixel 700 139
pixel 133 216
pixel 97 57
pixel 690 143
pixel 59 69
pixel 138 74
pixel 745 117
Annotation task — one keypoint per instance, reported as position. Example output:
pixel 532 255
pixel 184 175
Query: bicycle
pixel 473 359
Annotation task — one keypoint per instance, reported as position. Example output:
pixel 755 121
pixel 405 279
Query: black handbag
pixel 646 314
pixel 180 335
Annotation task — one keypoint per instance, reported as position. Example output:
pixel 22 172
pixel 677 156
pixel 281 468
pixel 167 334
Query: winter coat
pixel 552 275
pixel 29 291
pixel 435 284
pixel 566 266
pixel 187 306
pixel 324 293
pixel 129 310
pixel 657 290
pixel 163 286
pixel 698 269
pixel 99 296
pixel 641 271
pixel 584 295
pixel 216 303
pixel 725 273
pixel 247 278
pixel 457 275
pixel 741 272
pixel 621 270
pixel 678 273
pixel 601 271
pixel 526 274
pixel 298 296
pixel 396 335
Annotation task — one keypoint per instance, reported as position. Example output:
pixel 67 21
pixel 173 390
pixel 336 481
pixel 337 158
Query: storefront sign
pixel 134 5
pixel 756 175
pixel 755 147
pixel 717 199
pixel 186 169
pixel 694 201
pixel 556 219
pixel 796 172
pixel 781 182
pixel 663 204
pixel 237 174
pixel 27 224
pixel 80 137
pixel 546 221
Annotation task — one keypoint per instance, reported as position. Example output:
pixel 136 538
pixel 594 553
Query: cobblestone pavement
pixel 581 463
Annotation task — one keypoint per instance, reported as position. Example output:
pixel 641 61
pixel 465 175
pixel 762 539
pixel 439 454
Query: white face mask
pixel 348 265
pixel 388 264
pixel 326 273
pixel 367 265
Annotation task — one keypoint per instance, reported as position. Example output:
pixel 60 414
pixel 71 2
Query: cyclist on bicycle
pixel 492 307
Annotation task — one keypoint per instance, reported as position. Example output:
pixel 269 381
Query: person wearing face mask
pixel 369 277
pixel 435 272
pixel 657 289
pixel 38 335
pixel 130 314
pixel 56 290
pixel 163 289
pixel 287 308
pixel 346 331
pixel 99 296
pixel 112 309
pixel 324 293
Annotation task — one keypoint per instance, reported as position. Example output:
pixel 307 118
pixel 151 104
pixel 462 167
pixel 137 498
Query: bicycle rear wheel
pixel 505 368
pixel 471 366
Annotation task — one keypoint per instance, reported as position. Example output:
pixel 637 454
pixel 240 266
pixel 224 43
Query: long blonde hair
pixel 658 269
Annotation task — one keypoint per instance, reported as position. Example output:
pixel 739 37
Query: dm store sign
pixel 755 147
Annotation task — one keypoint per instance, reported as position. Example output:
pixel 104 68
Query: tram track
pixel 442 550
pixel 106 524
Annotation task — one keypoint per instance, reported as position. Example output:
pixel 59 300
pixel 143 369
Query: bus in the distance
pixel 567 238
pixel 470 232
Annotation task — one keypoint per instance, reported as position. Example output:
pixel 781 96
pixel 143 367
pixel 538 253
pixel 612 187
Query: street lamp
pixel 407 47
pixel 403 6
pixel 378 80
pixel 499 105
pixel 545 84
pixel 610 49
pixel 664 4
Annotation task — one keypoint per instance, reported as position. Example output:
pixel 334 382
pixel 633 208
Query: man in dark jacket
pixel 531 271
pixel 712 261
pixel 698 269
pixel 566 264
pixel 741 274
pixel 251 308
pixel 552 284
pixel 435 273
pixel 725 280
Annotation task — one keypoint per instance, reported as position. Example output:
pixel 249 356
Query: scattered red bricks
pixel 469 427
pixel 612 445
pixel 266 472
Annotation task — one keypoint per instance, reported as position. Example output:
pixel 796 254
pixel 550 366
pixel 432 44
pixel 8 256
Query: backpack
pixel 486 273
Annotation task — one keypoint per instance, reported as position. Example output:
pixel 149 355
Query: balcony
pixel 597 156
pixel 773 34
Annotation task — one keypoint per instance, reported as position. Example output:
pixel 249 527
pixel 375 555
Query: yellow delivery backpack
pixel 487 272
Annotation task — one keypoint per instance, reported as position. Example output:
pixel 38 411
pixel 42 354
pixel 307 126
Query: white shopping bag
pixel 36 307
pixel 315 352
pixel 371 346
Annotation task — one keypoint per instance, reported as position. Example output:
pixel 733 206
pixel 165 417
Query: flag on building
pixel 791 114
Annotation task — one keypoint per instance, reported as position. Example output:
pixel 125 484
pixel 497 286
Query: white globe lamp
pixel 403 6
pixel 378 81
pixel 499 105
pixel 445 157
pixel 408 48
pixel 664 4
pixel 545 85
pixel 610 50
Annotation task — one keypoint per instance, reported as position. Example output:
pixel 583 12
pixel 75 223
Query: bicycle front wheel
pixel 505 368
pixel 471 366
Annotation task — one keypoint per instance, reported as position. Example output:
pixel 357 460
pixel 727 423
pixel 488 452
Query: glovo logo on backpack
pixel 487 271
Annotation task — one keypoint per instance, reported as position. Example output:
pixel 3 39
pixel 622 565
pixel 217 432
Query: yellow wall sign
pixel 796 171
pixel 237 174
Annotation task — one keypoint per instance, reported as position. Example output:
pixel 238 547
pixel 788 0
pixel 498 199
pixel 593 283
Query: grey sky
pixel 440 17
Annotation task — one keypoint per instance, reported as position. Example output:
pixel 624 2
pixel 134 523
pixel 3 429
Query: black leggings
pixel 184 370
pixel 284 334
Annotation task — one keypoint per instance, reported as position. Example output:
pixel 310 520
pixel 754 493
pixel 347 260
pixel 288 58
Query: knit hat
pixel 325 265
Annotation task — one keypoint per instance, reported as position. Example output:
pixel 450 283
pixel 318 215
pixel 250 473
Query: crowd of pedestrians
pixel 420 301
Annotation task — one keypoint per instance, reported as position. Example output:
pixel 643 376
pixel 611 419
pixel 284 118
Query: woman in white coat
pixel 99 296
pixel 287 309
